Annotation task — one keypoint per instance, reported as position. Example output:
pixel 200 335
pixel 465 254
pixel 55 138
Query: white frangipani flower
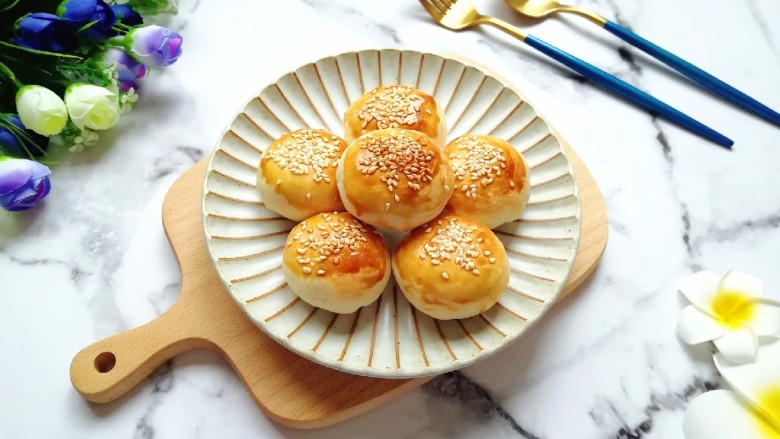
pixel 751 411
pixel 730 311
pixel 722 414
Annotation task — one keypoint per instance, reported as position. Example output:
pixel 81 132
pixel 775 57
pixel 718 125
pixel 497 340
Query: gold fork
pixel 459 15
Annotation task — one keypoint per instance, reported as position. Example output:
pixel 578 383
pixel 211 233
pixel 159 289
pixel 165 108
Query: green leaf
pixel 39 52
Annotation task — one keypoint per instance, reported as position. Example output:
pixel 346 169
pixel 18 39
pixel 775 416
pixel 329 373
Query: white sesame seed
pixel 308 196
pixel 307 152
pixel 445 275
pixel 492 260
pixel 391 107
pixel 487 252
pixel 279 182
pixel 511 183
pixel 397 198
pixel 387 206
pixel 320 272
pixel 475 272
pixel 307 270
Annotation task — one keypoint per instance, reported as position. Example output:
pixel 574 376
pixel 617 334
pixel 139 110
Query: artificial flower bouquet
pixel 69 69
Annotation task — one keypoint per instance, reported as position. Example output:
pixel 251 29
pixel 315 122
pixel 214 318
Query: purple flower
pixel 14 144
pixel 153 45
pixel 23 183
pixel 129 70
pixel 126 15
pixel 42 31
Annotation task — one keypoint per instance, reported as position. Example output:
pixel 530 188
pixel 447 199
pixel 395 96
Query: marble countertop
pixel 605 363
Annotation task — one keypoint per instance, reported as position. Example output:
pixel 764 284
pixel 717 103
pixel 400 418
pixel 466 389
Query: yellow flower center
pixel 733 308
pixel 769 423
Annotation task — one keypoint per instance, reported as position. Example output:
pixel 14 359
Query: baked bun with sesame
pixel 394 178
pixel 335 262
pixel 451 268
pixel 396 106
pixel 491 179
pixel 297 174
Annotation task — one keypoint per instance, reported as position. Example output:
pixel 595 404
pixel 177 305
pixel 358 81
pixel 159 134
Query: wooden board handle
pixel 104 371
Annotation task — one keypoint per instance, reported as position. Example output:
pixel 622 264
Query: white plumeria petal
pixel 694 326
pixel 766 317
pixel 758 382
pixel 739 345
pixel 700 289
pixel 739 282
pixel 721 414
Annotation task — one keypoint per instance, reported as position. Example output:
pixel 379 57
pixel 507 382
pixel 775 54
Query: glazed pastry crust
pixel 492 180
pixel 297 174
pixel 394 178
pixel 335 262
pixel 396 106
pixel 451 268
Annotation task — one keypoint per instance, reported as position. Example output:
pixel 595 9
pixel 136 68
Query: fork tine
pixel 444 5
pixel 447 4
pixel 432 9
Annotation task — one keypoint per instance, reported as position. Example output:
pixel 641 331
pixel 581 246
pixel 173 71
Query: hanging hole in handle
pixel 104 362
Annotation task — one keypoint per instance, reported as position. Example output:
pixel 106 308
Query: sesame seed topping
pixel 487 252
pixel 392 107
pixel 397 156
pixel 397 198
pixel 307 153
pixel 320 272
pixel 511 183
pixel 475 272
pixel 387 206
pixel 492 260
pixel 454 242
pixel 308 196
pixel 279 182
pixel 445 275
pixel 337 234
pixel 477 160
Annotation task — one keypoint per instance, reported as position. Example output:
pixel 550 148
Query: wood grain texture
pixel 289 389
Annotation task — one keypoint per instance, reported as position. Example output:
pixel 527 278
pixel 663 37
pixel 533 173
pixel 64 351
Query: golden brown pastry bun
pixel 394 178
pixel 335 262
pixel 491 179
pixel 395 106
pixel 451 268
pixel 297 174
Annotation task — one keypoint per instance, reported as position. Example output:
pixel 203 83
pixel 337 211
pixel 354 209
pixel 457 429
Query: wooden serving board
pixel 289 389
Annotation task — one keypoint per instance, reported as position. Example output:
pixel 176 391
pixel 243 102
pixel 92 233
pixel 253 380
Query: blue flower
pixel 95 15
pixel 44 31
pixel 18 146
pixel 77 13
pixel 23 183
pixel 126 15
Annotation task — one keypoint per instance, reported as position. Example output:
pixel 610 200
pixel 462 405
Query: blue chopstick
pixel 696 74
pixel 633 94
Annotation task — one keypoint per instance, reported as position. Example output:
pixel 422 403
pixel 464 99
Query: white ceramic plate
pixel 389 338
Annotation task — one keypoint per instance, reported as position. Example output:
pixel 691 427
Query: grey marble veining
pixel 602 364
